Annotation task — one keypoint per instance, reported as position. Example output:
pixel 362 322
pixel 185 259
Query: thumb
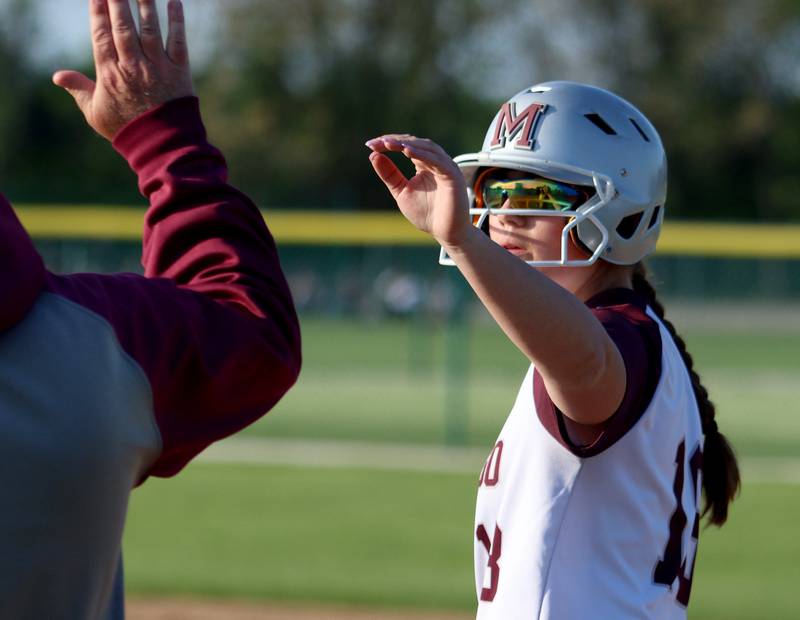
pixel 77 85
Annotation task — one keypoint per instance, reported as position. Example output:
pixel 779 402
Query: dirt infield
pixel 138 609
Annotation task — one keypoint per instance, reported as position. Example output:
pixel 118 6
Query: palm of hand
pixel 135 70
pixel 435 198
pixel 435 204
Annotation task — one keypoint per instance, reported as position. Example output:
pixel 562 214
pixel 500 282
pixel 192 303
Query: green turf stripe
pixel 259 451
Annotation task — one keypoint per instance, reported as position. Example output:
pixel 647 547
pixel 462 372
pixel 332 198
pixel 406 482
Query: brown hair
pixel 721 481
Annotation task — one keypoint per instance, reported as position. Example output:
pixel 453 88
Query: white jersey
pixel 612 535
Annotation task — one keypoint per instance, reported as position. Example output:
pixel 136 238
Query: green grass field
pixel 386 539
pixel 398 540
pixel 388 382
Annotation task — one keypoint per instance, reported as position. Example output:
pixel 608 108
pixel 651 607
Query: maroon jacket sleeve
pixel 212 323
pixel 21 269
pixel 637 336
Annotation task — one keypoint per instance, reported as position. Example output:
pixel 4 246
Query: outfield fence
pixel 326 228
pixel 375 268
pixel 375 262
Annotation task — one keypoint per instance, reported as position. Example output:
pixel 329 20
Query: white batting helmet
pixel 582 135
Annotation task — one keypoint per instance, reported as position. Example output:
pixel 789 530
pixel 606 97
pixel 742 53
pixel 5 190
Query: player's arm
pixel 582 368
pixel 212 325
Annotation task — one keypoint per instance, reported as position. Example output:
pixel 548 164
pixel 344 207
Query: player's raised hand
pixel 435 198
pixel 134 70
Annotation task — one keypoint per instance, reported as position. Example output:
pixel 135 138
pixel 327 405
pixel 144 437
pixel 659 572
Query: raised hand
pixel 435 198
pixel 134 70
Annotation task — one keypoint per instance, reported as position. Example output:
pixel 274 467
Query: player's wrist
pixel 462 242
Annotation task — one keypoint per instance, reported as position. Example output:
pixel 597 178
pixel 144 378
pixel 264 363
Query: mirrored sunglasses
pixel 529 192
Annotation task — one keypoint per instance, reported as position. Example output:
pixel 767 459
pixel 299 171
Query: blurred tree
pixel 294 89
pixel 47 153
pixel 308 85
pixel 14 75
pixel 60 159
pixel 720 81
pixel 295 92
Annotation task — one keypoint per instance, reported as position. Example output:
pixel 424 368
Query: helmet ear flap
pixel 472 203
pixel 573 234
pixel 475 200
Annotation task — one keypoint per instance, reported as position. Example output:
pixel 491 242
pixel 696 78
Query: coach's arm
pixel 212 324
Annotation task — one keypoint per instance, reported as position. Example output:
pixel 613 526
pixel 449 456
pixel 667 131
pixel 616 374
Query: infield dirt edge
pixel 197 609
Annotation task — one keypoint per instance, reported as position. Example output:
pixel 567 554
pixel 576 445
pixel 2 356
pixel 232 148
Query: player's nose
pixel 507 216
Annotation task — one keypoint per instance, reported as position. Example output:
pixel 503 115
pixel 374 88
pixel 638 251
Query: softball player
pixel 589 503
pixel 108 379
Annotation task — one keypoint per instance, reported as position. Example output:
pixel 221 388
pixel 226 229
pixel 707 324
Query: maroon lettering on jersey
pixel 684 580
pixel 494 547
pixel 509 124
pixel 490 474
pixel 672 566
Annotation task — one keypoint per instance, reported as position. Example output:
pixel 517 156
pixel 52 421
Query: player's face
pixel 534 237
pixel 529 237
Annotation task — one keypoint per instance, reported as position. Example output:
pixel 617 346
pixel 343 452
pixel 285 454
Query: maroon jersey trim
pixel 622 312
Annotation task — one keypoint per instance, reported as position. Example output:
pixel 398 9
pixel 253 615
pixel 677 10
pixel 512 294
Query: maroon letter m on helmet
pixel 509 123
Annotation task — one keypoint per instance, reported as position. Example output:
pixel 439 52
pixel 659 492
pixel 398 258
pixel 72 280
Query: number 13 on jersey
pixel 490 477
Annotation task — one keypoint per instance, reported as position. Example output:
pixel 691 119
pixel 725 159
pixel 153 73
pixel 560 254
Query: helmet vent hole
pixel 627 227
pixel 639 129
pixel 540 89
pixel 654 219
pixel 601 124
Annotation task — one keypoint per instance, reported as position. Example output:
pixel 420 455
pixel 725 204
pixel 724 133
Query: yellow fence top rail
pixel 388 228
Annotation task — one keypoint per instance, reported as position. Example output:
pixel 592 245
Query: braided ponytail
pixel 721 481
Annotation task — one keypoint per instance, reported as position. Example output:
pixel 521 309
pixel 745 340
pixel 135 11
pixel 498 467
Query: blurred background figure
pixel 290 93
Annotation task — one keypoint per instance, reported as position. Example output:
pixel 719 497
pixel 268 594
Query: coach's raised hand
pixel 135 72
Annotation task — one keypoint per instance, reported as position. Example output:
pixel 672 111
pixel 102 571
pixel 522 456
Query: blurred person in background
pixel 589 505
pixel 108 379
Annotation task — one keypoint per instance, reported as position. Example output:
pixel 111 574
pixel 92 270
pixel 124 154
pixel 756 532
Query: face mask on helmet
pixel 582 154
